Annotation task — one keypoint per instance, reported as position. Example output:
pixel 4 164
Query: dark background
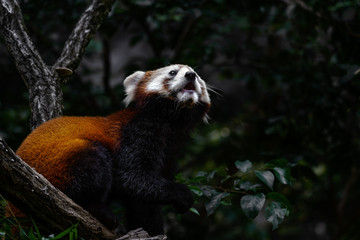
pixel 287 78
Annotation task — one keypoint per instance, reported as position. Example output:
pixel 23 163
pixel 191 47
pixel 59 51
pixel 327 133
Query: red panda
pixel 129 155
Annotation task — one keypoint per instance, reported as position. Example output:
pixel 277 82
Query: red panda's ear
pixel 133 79
pixel 130 84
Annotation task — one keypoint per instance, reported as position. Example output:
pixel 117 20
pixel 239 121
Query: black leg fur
pixel 91 183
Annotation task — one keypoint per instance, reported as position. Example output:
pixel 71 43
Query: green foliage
pixel 25 229
pixel 220 188
pixel 8 225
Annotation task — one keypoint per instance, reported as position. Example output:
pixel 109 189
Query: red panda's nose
pixel 190 76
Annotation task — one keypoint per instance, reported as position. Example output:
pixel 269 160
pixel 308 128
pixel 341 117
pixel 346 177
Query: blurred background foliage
pixel 287 77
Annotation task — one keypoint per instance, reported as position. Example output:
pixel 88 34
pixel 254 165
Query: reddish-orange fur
pixel 58 140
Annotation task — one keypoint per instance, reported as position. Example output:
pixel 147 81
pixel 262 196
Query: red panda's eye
pixel 173 73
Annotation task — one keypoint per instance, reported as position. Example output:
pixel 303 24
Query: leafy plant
pixel 253 184
pixel 13 228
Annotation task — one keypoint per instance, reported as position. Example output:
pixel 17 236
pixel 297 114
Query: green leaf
pixel 275 213
pixel 196 190
pixel 266 177
pixel 194 210
pixel 226 202
pixel 208 191
pixel 31 235
pixel 243 166
pixel 225 179
pixel 23 234
pixel 201 174
pixel 197 179
pixel 280 162
pixel 252 204
pixel 70 230
pixel 36 228
pixel 246 185
pixel 283 175
pixel 75 231
pixel 215 202
pixel 278 197
pixel 211 175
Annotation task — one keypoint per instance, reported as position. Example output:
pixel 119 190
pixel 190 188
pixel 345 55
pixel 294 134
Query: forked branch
pixel 83 32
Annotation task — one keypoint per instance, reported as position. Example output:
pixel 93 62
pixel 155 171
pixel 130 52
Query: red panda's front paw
pixel 181 198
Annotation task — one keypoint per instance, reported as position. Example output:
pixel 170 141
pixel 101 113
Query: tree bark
pixel 43 81
pixel 44 88
pixel 140 234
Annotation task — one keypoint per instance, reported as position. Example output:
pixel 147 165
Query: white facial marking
pixel 156 85
pixel 179 80
pixel 186 95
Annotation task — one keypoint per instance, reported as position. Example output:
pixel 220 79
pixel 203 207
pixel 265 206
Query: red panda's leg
pixel 91 176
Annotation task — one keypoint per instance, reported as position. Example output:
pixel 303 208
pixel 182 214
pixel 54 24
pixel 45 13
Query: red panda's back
pixel 52 148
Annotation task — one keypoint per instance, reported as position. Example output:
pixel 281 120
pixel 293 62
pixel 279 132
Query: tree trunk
pixel 44 88
pixel 44 81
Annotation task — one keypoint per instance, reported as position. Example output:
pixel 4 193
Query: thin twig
pixel 221 189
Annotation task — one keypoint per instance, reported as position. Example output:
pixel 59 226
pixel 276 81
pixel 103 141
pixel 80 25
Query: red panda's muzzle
pixel 189 87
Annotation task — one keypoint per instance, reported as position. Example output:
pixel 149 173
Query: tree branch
pixel 84 30
pixel 140 234
pixel 44 88
pixel 48 205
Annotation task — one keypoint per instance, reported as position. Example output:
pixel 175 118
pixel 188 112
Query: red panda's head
pixel 177 82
